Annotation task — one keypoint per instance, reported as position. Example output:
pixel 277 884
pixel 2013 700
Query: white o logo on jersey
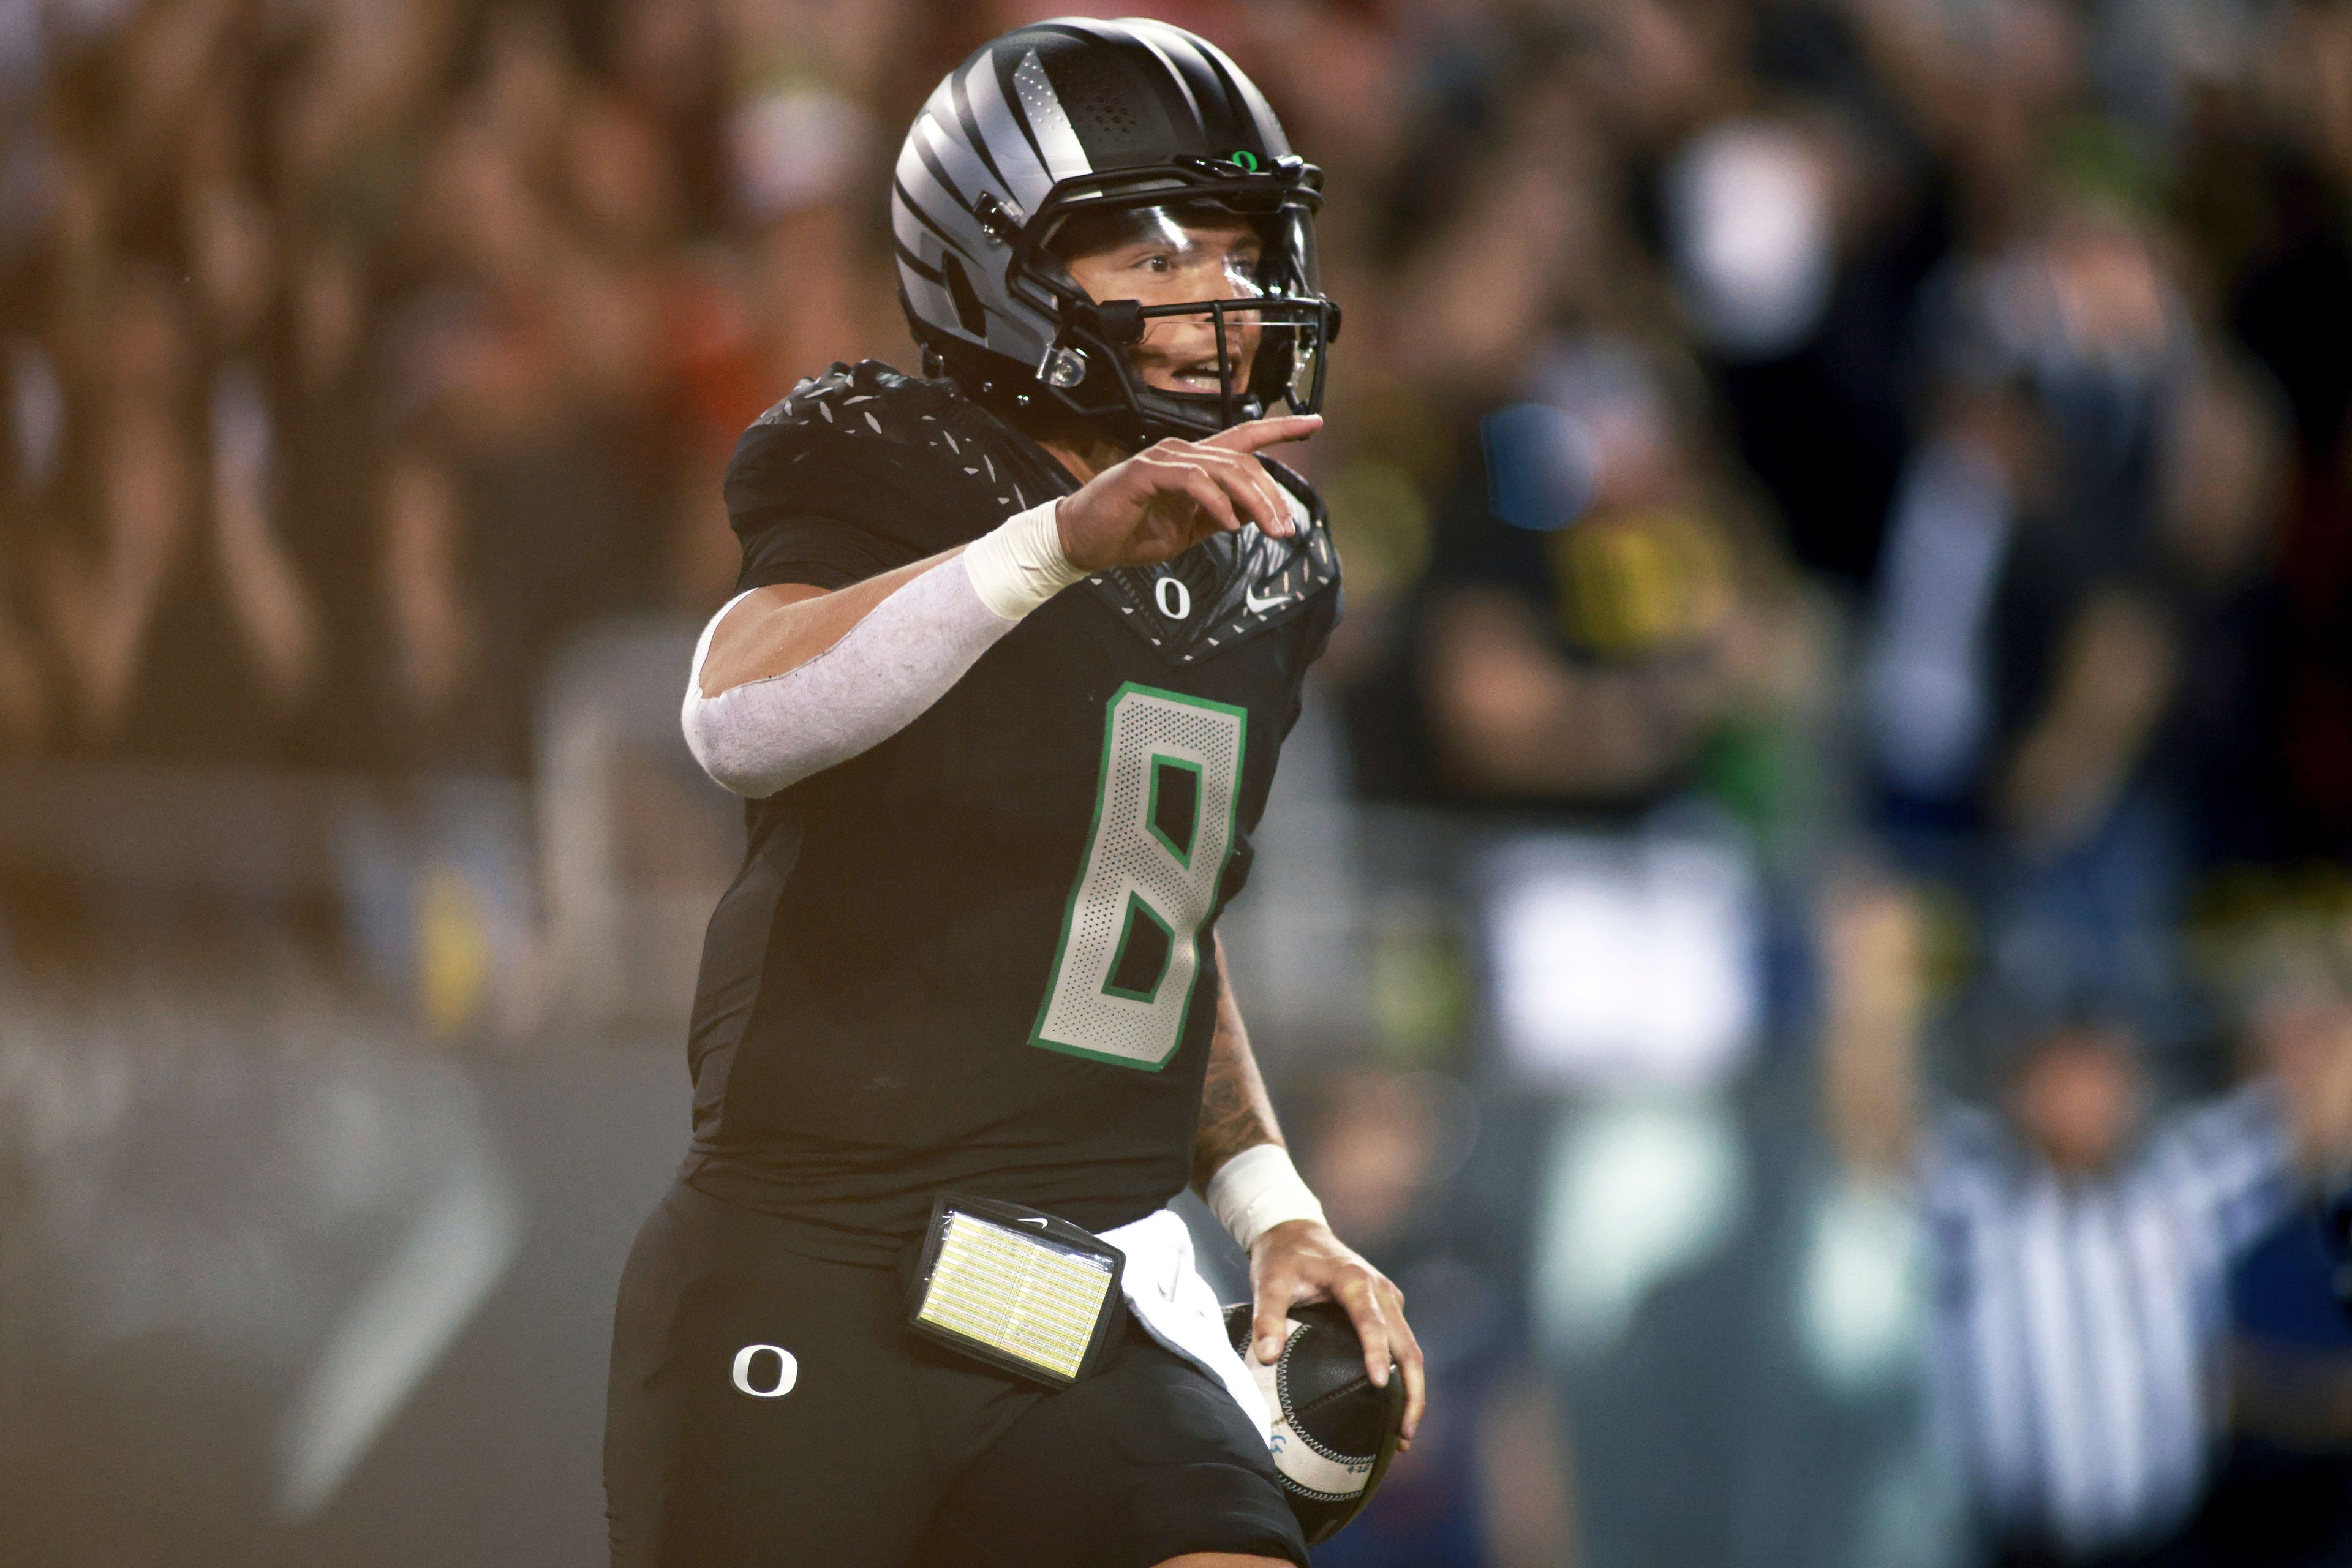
pixel 1175 599
pixel 788 1371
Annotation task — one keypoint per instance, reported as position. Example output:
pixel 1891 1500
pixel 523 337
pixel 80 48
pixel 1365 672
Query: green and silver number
pixel 1163 827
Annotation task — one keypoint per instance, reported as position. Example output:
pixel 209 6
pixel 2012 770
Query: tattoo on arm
pixel 1235 1114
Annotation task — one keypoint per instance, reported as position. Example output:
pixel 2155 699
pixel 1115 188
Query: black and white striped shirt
pixel 2080 1320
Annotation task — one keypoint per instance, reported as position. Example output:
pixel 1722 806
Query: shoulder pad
pixel 864 398
pixel 865 438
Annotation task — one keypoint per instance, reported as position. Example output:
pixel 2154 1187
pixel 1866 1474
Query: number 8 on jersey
pixel 1163 826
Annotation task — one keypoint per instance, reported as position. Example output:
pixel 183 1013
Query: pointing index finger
pixel 1259 433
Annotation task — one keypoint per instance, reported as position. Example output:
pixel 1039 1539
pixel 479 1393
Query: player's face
pixel 1165 260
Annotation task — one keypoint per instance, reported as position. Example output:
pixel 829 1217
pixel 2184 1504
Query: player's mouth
pixel 1197 377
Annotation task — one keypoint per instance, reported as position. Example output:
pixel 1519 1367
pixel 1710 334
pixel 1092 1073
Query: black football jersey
pixel 977 957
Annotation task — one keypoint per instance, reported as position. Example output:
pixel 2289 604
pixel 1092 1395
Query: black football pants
pixel 771 1408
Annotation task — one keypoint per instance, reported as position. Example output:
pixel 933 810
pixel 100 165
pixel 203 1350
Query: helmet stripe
pixel 1143 33
pixel 1236 109
pixel 921 269
pixel 953 162
pixel 1057 139
pixel 994 125
pixel 931 194
pixel 914 211
pixel 1241 94
pixel 967 126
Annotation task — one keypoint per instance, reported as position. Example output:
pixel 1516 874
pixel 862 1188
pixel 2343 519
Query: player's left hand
pixel 1302 1261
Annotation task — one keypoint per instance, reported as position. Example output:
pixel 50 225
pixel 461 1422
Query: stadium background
pixel 1849 555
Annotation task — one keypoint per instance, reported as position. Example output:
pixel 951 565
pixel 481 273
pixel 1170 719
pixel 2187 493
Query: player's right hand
pixel 1173 495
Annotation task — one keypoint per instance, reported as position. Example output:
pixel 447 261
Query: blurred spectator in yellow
pixel 1599 605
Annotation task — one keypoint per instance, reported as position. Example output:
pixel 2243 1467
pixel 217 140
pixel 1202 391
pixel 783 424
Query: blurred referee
pixel 2083 1263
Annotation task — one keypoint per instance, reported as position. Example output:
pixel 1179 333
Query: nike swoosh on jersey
pixel 1258 607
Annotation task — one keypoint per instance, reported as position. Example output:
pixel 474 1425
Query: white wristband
pixel 1018 564
pixel 1259 1189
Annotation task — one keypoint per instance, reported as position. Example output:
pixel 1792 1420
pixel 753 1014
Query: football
pixel 1334 1430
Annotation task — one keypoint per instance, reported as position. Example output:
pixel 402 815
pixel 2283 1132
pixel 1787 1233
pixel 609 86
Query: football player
pixel 1014 649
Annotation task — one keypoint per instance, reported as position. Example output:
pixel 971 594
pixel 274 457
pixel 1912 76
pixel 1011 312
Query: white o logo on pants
pixel 788 1371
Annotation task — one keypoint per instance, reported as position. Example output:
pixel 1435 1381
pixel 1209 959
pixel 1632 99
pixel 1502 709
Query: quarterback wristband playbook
pixel 1259 1189
pixel 1023 1291
pixel 1018 564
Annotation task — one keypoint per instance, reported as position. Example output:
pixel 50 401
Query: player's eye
pixel 1161 262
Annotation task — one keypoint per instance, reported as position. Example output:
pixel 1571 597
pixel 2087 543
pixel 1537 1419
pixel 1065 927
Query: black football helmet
pixel 1077 116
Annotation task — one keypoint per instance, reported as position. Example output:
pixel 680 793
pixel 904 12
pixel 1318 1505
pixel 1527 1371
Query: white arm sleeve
pixel 890 667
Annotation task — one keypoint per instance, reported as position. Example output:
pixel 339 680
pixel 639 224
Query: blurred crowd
pixel 1940 402
pixel 1912 438
pixel 359 354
